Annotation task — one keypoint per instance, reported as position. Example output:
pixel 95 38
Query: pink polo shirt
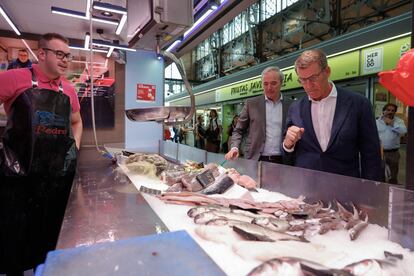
pixel 14 82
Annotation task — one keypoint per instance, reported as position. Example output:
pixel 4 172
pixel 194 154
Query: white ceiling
pixel 35 17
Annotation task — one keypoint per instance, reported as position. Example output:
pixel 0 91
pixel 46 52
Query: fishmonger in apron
pixel 38 162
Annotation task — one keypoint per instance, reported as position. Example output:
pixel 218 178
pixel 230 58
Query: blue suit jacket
pixel 354 147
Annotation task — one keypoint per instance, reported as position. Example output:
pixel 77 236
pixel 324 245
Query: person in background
pixel 213 131
pixel 199 133
pixel 174 134
pixel 38 156
pixel 22 60
pixel 264 118
pixel 230 130
pixel 332 129
pixel 167 133
pixel 390 130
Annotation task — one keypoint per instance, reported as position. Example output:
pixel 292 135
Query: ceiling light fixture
pixel 109 8
pixel 111 49
pixel 30 50
pixel 214 7
pixel 106 13
pixel 4 14
pixel 83 49
pixel 121 24
pixel 173 45
pixel 214 4
pixel 198 22
pixel 88 9
pixel 103 20
pixel 101 43
pixel 67 12
pixel 87 40
pixel 81 15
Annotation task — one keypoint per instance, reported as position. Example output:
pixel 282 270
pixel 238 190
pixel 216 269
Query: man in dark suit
pixel 264 117
pixel 331 130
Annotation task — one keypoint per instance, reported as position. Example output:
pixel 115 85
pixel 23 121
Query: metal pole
pixel 409 175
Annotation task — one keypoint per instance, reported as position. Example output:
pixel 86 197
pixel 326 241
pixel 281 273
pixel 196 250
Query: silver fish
pixel 357 229
pixel 259 233
pixel 272 223
pixel 374 267
pixel 294 267
pixel 223 221
pixel 203 218
pixel 202 209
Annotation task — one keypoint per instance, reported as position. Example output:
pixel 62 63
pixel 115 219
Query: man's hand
pixel 232 154
pixel 293 135
pixel 388 121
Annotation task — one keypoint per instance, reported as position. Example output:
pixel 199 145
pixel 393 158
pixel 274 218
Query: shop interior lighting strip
pixel 4 14
pixel 102 43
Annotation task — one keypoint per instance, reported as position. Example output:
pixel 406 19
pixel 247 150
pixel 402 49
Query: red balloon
pixel 400 82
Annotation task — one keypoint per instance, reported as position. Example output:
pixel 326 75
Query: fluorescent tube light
pixel 88 9
pixel 81 15
pixel 87 41
pixel 121 24
pixel 67 12
pixel 107 21
pixel 110 52
pixel 83 49
pixel 198 22
pixel 4 14
pixel 173 45
pixel 102 43
pixel 30 50
pixel 109 7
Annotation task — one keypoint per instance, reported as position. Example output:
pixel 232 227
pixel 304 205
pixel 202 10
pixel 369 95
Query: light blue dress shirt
pixel 390 135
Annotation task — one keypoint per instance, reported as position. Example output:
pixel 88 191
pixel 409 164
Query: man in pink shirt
pixel 38 155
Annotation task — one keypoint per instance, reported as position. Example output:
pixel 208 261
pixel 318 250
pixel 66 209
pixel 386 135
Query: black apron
pixel 38 163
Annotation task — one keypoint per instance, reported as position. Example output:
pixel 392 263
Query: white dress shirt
pixel 274 117
pixel 323 112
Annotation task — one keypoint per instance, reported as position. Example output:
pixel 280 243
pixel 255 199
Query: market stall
pixel 383 205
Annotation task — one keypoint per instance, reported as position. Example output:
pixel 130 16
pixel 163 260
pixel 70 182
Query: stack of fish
pixel 296 266
pixel 204 179
pixel 285 223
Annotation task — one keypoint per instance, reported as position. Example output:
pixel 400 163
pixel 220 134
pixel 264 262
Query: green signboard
pixel 241 90
pixel 344 66
pixel 383 56
pixel 291 79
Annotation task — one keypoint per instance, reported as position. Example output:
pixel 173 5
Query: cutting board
pixel 172 253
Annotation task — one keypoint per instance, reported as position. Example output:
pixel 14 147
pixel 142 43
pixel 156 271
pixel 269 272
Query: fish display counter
pixel 301 219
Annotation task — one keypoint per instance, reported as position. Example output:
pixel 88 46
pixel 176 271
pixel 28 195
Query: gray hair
pixel 276 69
pixel 309 57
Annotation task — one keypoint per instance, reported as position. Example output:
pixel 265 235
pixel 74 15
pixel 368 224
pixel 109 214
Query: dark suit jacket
pixel 253 118
pixel 354 138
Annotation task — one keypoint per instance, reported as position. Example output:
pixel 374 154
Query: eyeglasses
pixel 60 54
pixel 390 110
pixel 312 79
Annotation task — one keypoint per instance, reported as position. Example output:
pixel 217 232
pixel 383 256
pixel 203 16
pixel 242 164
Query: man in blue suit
pixel 331 129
